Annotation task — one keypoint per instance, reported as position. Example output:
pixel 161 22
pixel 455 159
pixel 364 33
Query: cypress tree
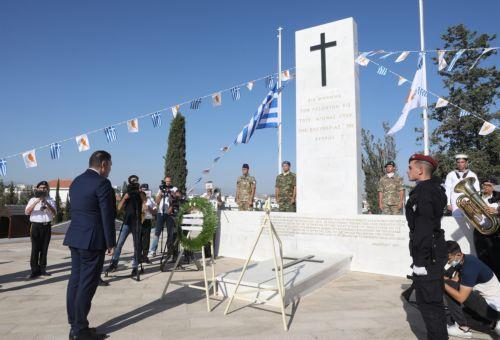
pixel 67 210
pixel 59 212
pixel 2 193
pixel 11 197
pixel 175 159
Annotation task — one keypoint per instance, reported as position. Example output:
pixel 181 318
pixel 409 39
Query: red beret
pixel 420 157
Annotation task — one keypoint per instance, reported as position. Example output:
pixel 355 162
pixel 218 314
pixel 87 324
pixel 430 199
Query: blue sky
pixel 71 67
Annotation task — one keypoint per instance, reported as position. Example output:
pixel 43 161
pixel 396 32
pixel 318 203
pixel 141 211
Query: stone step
pixel 300 279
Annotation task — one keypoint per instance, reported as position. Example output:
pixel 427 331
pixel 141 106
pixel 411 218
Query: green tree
pixel 474 90
pixel 2 193
pixel 11 197
pixel 25 195
pixel 375 154
pixel 175 159
pixel 67 209
pixel 59 213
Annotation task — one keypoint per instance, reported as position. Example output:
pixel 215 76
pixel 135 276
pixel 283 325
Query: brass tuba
pixel 474 208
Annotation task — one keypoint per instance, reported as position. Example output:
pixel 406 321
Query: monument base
pixel 300 279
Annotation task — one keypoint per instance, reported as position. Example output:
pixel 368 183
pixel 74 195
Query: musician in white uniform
pixel 462 171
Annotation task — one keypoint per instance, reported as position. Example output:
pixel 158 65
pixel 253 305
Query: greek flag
pixel 422 92
pixel 265 117
pixel 156 118
pixel 382 70
pixel 198 180
pixel 464 113
pixel 235 92
pixel 55 150
pixel 195 104
pixel 110 133
pixel 454 60
pixel 269 82
pixel 3 167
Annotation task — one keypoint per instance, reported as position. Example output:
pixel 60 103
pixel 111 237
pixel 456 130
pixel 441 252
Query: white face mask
pixel 390 175
pixel 455 263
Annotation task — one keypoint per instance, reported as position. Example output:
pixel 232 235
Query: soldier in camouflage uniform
pixel 285 189
pixel 245 189
pixel 390 191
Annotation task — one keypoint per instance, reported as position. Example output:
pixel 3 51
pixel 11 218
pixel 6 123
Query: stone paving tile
pixel 355 306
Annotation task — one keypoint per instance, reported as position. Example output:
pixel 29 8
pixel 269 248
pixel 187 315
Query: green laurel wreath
pixel 209 223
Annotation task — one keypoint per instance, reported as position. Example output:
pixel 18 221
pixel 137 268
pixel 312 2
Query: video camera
pixel 165 189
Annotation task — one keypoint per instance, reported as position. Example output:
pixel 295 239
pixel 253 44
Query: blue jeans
pixel 161 220
pixel 126 230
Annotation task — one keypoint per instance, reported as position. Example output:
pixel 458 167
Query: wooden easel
pixel 194 223
pixel 278 264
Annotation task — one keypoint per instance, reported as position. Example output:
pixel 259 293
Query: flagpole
pixel 424 70
pixel 279 100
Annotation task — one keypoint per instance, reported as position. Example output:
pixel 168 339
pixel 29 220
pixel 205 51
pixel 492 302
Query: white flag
pixel 175 110
pixel 402 56
pixel 250 85
pixel 441 102
pixel 133 125
pixel 83 143
pixel 217 99
pixel 486 50
pixel 402 80
pixel 29 158
pixel 362 60
pixel 415 98
pixel 487 128
pixel 441 61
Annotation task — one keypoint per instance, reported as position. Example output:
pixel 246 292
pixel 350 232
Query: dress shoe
pixel 44 273
pixel 134 272
pixel 88 334
pixel 103 283
pixel 33 276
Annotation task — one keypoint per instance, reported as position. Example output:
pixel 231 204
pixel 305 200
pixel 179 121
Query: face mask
pixel 455 263
pixel 390 175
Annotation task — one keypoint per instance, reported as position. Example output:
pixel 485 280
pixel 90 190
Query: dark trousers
pixel 475 311
pixel 40 239
pixel 488 250
pixel 86 267
pixel 145 237
pixel 429 296
pixel 161 220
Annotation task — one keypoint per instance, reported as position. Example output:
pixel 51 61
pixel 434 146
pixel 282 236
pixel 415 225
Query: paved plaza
pixel 355 306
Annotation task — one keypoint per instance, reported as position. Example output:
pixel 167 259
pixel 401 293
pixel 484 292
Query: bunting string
pixel 373 52
pixel 441 102
pixel 109 130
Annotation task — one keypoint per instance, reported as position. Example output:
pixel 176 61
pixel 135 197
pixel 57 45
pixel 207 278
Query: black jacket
pixel 424 211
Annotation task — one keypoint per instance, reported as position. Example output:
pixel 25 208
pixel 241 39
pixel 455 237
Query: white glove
pixel 419 271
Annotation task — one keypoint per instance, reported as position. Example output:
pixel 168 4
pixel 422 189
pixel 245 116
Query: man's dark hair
pixel 98 157
pixel 133 176
pixel 453 247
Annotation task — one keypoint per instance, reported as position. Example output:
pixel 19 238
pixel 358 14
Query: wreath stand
pixel 193 223
pixel 278 265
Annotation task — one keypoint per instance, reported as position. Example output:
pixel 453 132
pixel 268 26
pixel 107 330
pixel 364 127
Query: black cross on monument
pixel 323 46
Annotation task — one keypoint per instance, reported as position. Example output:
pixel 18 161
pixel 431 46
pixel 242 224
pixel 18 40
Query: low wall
pixel 378 243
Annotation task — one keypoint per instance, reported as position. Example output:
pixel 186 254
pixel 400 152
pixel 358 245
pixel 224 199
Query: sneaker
pixel 455 330
pixel 497 328
pixel 151 254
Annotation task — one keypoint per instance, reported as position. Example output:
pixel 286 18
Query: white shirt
pixel 151 205
pixel 452 179
pixel 491 205
pixel 38 215
pixel 163 209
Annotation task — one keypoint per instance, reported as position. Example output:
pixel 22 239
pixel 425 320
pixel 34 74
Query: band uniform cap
pixel 286 162
pixel 491 180
pixel 42 183
pixel 461 156
pixel 245 166
pixel 420 157
pixel 390 163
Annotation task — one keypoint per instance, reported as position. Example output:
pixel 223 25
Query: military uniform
pixel 244 191
pixel 424 211
pixel 285 183
pixel 390 188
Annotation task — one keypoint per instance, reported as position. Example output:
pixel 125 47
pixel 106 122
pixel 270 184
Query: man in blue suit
pixel 90 234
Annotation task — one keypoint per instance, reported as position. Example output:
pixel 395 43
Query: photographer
pixel 131 203
pixel 41 210
pixel 164 215
pixel 149 211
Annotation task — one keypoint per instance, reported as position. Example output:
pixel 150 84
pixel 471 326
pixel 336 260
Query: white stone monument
pixel 327 113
